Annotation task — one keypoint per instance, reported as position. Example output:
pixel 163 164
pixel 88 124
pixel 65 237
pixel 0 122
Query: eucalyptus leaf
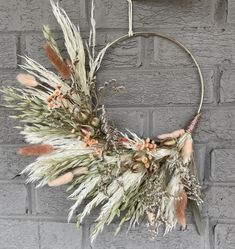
pixel 200 223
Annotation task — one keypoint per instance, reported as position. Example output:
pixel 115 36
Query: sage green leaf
pixel 200 223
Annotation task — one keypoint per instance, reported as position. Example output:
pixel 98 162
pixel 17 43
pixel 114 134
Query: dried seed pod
pixel 61 180
pixel 95 122
pixel 169 142
pixel 83 116
pixel 137 167
pixel 137 156
pixel 147 165
pixel 87 130
pixel 144 159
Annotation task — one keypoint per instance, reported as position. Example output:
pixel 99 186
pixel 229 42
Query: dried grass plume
pixel 56 61
pixel 36 150
pixel 27 79
pixel 180 209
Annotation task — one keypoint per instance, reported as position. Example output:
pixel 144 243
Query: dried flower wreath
pixel 76 144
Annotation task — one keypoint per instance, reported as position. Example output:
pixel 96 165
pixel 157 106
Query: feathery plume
pixel 27 79
pixel 187 150
pixel 61 180
pixel 151 218
pixel 56 61
pixel 174 134
pixel 36 150
pixel 180 209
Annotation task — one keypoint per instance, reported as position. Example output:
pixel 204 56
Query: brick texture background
pixel 162 93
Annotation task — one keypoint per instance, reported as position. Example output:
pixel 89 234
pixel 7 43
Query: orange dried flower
pixel 98 152
pixel 56 97
pixel 144 159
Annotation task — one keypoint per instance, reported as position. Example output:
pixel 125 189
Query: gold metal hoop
pixel 162 35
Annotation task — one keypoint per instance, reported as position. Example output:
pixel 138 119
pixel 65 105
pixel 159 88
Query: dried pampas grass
pixel 56 61
pixel 180 209
pixel 27 79
pixel 67 177
pixel 174 134
pixel 187 150
pixel 61 180
pixel 36 150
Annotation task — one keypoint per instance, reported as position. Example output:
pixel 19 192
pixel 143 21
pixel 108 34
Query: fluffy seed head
pixel 180 207
pixel 27 80
pixel 36 150
pixel 61 180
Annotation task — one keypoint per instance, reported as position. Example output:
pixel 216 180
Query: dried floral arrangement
pixel 76 143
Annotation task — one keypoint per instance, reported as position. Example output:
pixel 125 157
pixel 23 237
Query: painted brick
pixel 52 201
pixel 214 124
pixel 8 78
pixel 140 237
pixel 60 235
pixel 11 163
pixel 220 11
pixel 231 12
pixel 159 87
pixel 219 202
pixel 16 234
pixel 224 236
pixel 227 90
pixel 154 13
pixel 134 120
pixel 210 47
pixel 34 47
pixel 222 164
pixel 13 198
pixel 200 155
pixel 31 15
pixel 8 134
pixel 8 50
pixel 125 54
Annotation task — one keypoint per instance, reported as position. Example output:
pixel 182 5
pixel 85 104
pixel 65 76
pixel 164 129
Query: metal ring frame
pixel 148 34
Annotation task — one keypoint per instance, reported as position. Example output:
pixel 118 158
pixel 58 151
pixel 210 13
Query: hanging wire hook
pixel 130 33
